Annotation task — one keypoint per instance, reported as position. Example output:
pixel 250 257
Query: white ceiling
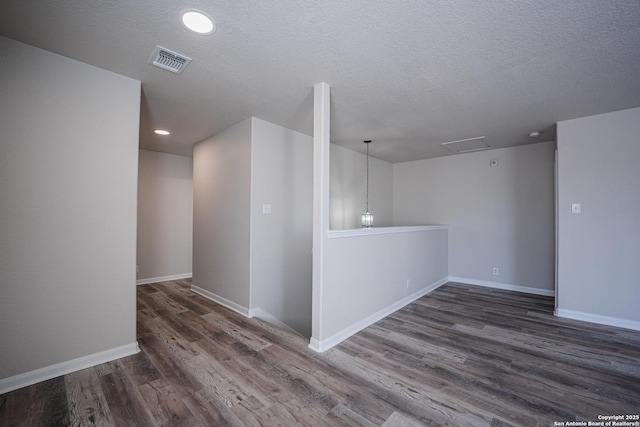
pixel 407 74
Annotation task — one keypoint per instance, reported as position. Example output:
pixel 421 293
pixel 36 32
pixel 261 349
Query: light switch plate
pixel 266 209
pixel 576 208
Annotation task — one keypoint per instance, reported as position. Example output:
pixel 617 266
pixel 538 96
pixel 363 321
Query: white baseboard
pixel 163 278
pixel 316 345
pixel 335 339
pixel 596 318
pixel 504 286
pixel 53 371
pixel 221 300
pixel 268 317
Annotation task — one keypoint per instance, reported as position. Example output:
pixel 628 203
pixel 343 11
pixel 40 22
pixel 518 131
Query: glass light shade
pixel 367 219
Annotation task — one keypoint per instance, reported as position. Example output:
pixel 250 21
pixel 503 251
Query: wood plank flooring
pixel 460 356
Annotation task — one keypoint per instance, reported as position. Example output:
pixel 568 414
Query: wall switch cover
pixel 266 209
pixel 576 208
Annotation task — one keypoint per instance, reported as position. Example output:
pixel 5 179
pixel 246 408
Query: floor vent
pixel 467 145
pixel 168 60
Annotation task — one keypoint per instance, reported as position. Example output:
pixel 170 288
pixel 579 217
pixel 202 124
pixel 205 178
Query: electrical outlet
pixel 496 271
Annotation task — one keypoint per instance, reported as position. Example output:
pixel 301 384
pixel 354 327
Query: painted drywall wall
pixel 255 263
pixel 348 189
pixel 281 179
pixel 165 216
pixel 599 248
pixel 367 276
pixel 68 184
pixel 500 216
pixel 321 184
pixel 362 275
pixel 221 216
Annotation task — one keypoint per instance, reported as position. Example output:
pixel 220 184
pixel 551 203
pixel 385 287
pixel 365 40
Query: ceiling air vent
pixel 168 60
pixel 467 145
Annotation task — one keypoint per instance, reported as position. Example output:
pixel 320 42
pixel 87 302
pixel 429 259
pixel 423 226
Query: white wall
pixel 599 249
pixel 165 216
pixel 68 174
pixel 281 241
pixel 361 275
pixel 499 216
pixel 369 274
pixel 253 263
pixel 348 189
pixel 221 215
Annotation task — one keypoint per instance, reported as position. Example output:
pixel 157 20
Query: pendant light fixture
pixel 367 217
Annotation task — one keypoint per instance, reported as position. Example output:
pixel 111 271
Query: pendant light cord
pixel 367 142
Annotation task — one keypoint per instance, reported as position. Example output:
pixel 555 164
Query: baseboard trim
pixel 53 371
pixel 221 300
pixel 599 319
pixel 503 286
pixel 164 278
pixel 335 339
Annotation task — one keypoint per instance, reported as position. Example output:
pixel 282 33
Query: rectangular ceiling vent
pixel 467 145
pixel 168 60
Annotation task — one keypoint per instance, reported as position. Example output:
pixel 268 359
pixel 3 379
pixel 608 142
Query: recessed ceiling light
pixel 162 132
pixel 198 22
pixel 534 134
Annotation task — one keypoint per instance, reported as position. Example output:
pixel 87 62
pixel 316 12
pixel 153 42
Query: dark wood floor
pixel 461 356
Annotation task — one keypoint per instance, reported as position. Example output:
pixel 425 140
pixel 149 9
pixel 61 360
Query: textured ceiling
pixel 407 74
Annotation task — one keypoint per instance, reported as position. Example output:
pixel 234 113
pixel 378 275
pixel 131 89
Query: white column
pixel 321 147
